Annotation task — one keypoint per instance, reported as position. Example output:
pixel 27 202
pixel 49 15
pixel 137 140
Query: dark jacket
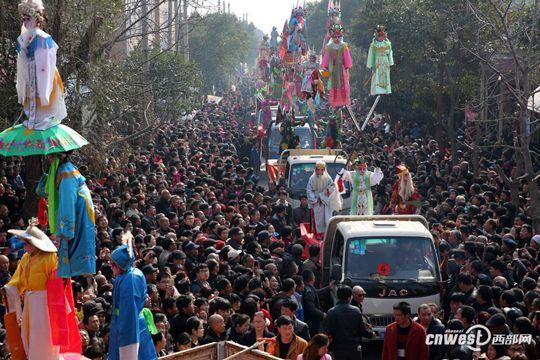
pixel 301 329
pixel 346 326
pixel 211 337
pixel 313 313
pixel 250 337
pixel 436 351
pixel 416 348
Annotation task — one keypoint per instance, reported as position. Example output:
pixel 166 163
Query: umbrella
pixel 20 141
pixel 534 101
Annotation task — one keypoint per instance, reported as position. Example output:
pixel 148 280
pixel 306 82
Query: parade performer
pixel 39 86
pixel 323 198
pixel 405 199
pixel 337 60
pixel 361 181
pixel 310 69
pixel 264 57
pixel 273 39
pixel 71 216
pixel 48 322
pixel 297 26
pixel 334 17
pixel 379 60
pixel 129 336
pixel 333 135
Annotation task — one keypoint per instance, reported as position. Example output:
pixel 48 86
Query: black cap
pixel 149 269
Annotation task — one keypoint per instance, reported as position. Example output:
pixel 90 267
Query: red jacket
pixel 416 348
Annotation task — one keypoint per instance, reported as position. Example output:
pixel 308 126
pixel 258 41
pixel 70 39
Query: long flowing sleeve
pixel 390 54
pixel 347 60
pixel 312 196
pixel 371 57
pixel 375 177
pixel 67 197
pixel 45 57
pixel 347 176
pixel 325 59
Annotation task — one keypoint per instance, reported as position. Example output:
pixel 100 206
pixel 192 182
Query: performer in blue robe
pixel 129 337
pixel 75 223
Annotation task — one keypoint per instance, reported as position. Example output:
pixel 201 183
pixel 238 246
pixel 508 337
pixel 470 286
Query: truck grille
pixel 381 320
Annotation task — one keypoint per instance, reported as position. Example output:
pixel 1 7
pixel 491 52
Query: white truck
pixel 392 257
pixel 295 166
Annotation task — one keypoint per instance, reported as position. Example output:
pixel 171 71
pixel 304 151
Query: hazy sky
pixel 264 13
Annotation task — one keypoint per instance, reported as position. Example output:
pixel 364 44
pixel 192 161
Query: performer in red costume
pixel 405 198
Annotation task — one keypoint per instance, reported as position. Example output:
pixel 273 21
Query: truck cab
pixel 392 257
pixel 295 166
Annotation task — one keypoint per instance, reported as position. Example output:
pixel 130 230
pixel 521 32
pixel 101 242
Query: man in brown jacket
pixel 286 345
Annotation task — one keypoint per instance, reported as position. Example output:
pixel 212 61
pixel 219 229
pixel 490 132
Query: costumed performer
pixel 361 181
pixel 323 198
pixel 337 61
pixel 297 25
pixel 405 199
pixel 71 216
pixel 334 17
pixel 264 57
pixel 39 86
pixel 273 39
pixel 48 322
pixel 129 336
pixel 379 60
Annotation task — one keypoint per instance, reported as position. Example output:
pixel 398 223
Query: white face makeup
pixel 29 22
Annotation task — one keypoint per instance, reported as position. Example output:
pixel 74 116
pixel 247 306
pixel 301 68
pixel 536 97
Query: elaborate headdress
pixel 360 161
pixel 336 29
pixel 334 8
pixel 31 8
pixel 380 29
pixel 298 11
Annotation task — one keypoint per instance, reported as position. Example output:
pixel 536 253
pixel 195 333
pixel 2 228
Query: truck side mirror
pixel 336 272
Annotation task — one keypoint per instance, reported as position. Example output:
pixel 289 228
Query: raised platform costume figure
pixel 39 86
pixel 337 61
pixel 379 60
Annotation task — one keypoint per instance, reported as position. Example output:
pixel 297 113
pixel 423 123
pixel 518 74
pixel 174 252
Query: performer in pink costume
pixel 337 60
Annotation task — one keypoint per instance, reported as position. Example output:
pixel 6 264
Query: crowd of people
pixel 222 258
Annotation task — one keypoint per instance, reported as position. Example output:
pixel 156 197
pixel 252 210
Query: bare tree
pixel 508 49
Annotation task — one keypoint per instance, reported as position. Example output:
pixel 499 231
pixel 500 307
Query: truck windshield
pixel 391 259
pixel 274 140
pixel 300 173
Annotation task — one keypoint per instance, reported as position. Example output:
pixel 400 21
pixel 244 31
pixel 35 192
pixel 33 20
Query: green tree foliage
pixel 218 44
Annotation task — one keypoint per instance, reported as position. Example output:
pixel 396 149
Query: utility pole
pixel 157 22
pixel 169 24
pixel 177 16
pixel 229 8
pixel 144 31
pixel 218 6
pixel 224 7
pixel 186 31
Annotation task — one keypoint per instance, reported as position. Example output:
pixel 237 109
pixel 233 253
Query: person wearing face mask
pixel 361 181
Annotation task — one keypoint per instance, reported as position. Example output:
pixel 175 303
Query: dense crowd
pixel 222 257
